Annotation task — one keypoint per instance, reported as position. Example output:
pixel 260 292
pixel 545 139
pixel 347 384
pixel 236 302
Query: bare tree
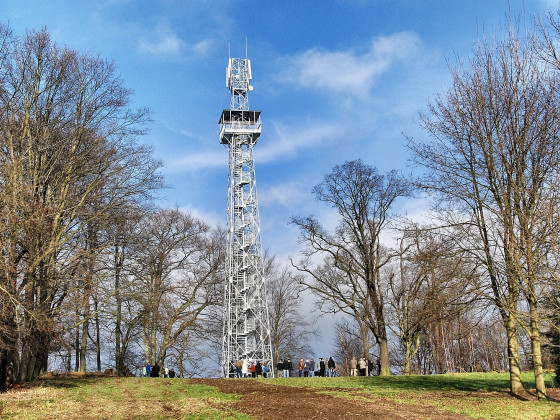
pixel 431 282
pixel 493 152
pixel 349 341
pixel 350 277
pixel 67 140
pixel 178 263
pixel 291 329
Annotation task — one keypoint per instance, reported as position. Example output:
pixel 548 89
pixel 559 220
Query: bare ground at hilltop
pixel 261 400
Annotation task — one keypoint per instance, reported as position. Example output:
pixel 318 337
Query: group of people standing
pixel 325 367
pixel 363 367
pixel 154 371
pixel 306 368
pixel 245 369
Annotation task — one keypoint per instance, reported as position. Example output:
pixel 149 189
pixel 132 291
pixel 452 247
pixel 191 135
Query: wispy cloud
pixel 286 140
pixel 282 141
pixel 161 42
pixel 202 48
pixel 211 218
pixel 350 71
pixel 200 160
pixel 285 194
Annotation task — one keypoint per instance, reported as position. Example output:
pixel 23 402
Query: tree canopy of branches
pixel 178 268
pixel 431 282
pixel 349 278
pixel 68 155
pixel 291 330
pixel 493 154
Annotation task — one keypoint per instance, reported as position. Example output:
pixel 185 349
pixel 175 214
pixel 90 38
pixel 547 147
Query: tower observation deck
pixel 246 328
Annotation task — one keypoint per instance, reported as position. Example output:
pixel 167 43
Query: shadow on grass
pixel 67 380
pixel 465 382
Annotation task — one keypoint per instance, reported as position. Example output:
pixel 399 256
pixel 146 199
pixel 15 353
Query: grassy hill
pixel 455 396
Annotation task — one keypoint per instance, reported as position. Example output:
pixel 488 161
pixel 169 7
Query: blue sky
pixel 335 80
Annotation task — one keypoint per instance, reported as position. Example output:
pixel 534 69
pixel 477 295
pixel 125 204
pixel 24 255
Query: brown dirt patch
pixel 262 400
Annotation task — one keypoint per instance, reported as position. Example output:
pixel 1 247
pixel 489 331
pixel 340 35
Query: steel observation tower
pixel 246 329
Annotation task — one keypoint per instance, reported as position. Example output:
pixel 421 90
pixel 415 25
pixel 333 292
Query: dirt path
pixel 261 400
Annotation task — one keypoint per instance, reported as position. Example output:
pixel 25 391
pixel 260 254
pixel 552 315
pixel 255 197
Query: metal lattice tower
pixel 246 323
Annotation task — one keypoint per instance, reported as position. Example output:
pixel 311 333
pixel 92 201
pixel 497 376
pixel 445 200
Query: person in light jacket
pixel 245 368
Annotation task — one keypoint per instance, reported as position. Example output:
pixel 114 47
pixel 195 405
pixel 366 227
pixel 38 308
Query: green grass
pixel 477 395
pixel 117 398
pixel 473 382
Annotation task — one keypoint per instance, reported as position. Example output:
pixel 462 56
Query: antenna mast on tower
pixel 246 332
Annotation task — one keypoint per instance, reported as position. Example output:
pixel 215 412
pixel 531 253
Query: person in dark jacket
pixel 258 369
pixel 322 367
pixel 287 367
pixel 155 371
pixel 331 365
pixel 280 368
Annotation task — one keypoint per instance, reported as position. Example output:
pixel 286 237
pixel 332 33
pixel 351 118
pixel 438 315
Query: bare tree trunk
pixel 83 342
pixel 536 349
pixel 69 361
pixel 516 384
pixel 77 342
pixel 412 344
pixel 118 321
pixel 85 325
pixel 384 357
pixel 97 336
pixel 407 357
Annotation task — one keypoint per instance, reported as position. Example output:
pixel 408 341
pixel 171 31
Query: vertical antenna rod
pixel 246 328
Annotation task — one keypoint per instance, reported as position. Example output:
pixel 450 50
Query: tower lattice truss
pixel 246 332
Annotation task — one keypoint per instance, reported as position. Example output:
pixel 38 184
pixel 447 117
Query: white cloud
pixel 284 140
pixel 281 141
pixel 161 42
pixel 210 218
pixel 288 194
pixel 349 71
pixel 201 160
pixel 201 48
